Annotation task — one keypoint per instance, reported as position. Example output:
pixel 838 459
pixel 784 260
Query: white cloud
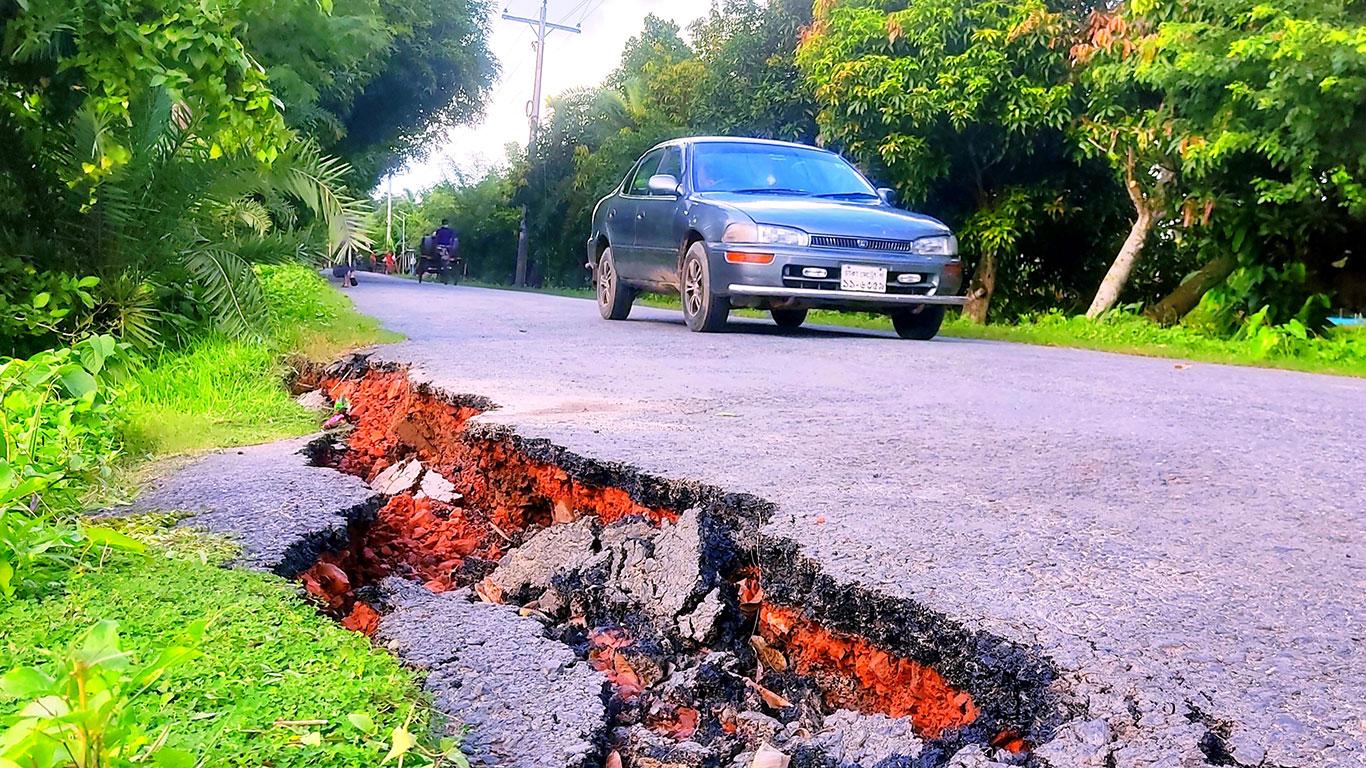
pixel 572 61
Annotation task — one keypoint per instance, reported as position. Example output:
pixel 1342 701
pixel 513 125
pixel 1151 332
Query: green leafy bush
pixel 57 422
pixel 60 433
pixel 78 709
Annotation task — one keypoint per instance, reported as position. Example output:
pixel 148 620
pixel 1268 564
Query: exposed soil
pixel 712 636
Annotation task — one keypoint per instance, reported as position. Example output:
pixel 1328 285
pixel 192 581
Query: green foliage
pixel 267 661
pixel 60 433
pixel 41 309
pixel 221 391
pixel 100 57
pixel 1340 351
pixel 57 423
pixel 964 107
pixel 78 710
pixel 435 72
pixel 749 84
pixel 1242 119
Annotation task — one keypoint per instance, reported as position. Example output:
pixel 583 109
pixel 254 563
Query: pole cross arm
pixel 537 23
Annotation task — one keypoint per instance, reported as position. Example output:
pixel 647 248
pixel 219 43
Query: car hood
pixel 819 216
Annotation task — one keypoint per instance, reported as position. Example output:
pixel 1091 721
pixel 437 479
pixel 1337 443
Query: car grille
pixel 861 243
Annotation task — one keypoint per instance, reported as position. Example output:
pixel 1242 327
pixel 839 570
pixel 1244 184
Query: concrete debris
pixel 976 757
pixel 652 750
pixel 398 478
pixel 661 576
pixel 700 625
pixel 521 699
pixel 756 728
pixel 768 757
pixel 1085 744
pixel 315 400
pixel 553 551
pixel 852 738
pixel 437 488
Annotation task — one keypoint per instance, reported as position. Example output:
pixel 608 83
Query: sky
pixel 572 61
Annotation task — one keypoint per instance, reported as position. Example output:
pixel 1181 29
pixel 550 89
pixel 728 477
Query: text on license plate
pixel 856 277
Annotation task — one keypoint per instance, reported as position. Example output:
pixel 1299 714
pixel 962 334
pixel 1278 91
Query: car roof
pixel 736 140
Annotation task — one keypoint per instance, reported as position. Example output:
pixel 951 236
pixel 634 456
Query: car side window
pixel 640 183
pixel 672 163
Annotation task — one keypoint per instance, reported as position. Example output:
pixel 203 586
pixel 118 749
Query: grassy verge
pixel 222 392
pixel 1341 352
pixel 277 683
pixel 276 680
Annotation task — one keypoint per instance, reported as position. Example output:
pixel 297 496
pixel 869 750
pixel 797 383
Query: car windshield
pixel 775 169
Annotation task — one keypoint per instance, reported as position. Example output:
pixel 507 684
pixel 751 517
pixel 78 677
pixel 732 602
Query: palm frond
pixel 319 183
pixel 230 287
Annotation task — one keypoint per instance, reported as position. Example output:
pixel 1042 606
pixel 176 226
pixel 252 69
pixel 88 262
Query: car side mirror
pixel 664 185
pixel 887 194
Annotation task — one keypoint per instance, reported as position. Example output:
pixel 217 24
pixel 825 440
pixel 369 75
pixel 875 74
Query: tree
pixel 658 43
pixel 1234 110
pixel 962 103
pixel 750 84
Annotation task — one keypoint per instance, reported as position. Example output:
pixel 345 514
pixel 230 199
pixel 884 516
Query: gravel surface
pixel 1183 541
pixel 283 511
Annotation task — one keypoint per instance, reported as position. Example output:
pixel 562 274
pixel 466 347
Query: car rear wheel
pixel 921 323
pixel 703 310
pixel 788 318
pixel 614 299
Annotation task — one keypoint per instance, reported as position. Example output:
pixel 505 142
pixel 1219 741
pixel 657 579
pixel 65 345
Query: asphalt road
pixel 1171 536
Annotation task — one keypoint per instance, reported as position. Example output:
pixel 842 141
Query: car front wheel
pixel 703 310
pixel 614 299
pixel 921 323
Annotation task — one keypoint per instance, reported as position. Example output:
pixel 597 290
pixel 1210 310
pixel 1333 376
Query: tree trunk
pixel 1118 275
pixel 1171 309
pixel 980 289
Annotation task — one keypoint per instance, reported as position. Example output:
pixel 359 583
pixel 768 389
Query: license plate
pixel 855 277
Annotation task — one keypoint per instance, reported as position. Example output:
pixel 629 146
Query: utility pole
pixel 542 28
pixel 389 220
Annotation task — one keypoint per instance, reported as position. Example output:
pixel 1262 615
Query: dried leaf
pixel 768 655
pixel 770 698
pixel 769 757
pixel 489 592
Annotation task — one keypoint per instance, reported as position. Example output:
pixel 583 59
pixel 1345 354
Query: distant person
pixel 345 272
pixel 390 265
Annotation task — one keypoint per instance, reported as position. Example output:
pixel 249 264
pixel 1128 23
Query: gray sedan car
pixel 769 225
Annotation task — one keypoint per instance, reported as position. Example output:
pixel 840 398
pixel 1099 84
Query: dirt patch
pixel 715 641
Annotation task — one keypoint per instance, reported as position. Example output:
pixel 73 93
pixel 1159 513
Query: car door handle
pixel 640 217
pixel 612 214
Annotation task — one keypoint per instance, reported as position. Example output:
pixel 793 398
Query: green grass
pixel 1341 351
pixel 221 392
pixel 269 658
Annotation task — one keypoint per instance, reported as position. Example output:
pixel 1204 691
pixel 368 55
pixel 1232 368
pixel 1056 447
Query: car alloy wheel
pixel 703 310
pixel 614 299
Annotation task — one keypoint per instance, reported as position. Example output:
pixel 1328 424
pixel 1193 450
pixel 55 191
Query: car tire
pixel 703 310
pixel 788 318
pixel 614 298
pixel 920 324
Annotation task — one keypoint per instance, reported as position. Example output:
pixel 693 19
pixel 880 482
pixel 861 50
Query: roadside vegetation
pixel 173 179
pixel 1199 165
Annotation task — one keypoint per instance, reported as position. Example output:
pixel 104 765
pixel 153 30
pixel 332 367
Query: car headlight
pixel 942 245
pixel 765 233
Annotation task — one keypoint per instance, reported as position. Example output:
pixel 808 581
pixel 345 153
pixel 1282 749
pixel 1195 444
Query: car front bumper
pixel 781 282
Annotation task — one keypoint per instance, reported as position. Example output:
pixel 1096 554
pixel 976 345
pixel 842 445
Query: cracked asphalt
pixel 1181 541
